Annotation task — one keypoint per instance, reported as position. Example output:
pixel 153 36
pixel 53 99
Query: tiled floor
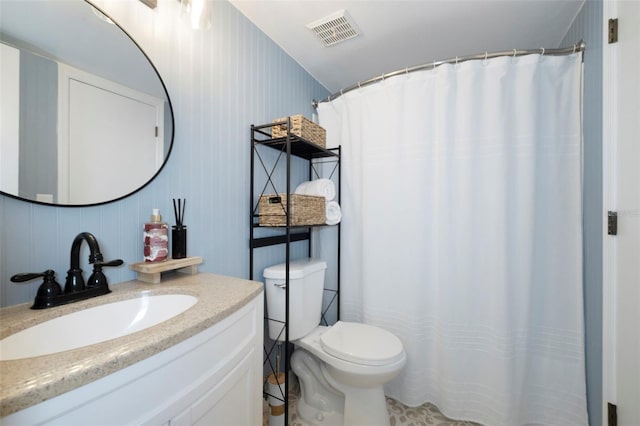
pixel 399 414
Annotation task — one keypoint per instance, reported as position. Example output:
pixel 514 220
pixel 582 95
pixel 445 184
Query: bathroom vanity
pixel 203 366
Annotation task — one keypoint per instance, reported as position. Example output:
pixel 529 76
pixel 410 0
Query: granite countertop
pixel 26 382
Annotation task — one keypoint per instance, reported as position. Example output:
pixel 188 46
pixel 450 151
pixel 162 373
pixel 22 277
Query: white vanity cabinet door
pixel 212 378
pixel 226 403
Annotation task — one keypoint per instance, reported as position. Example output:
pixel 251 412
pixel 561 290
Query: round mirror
pixel 86 119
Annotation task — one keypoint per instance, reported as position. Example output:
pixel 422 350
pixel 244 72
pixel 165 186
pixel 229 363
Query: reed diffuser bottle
pixel 156 239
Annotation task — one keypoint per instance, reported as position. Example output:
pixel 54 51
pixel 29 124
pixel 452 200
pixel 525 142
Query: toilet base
pixel 366 407
pixel 326 401
pixel 316 417
pixel 362 406
pixel 319 404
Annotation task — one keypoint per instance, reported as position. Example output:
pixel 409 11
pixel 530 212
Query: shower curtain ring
pixel 486 56
pixel 514 53
pixel 574 48
pixel 542 54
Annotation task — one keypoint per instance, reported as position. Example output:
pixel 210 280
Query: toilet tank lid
pixel 297 269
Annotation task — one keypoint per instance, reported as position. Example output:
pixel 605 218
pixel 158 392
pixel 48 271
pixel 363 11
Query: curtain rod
pixel 579 47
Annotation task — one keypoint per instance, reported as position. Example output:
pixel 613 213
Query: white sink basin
pixel 93 325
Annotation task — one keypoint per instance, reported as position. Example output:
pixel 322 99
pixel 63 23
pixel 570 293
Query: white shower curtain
pixel 462 233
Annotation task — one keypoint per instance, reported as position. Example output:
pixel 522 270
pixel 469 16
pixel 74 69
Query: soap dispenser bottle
pixel 156 238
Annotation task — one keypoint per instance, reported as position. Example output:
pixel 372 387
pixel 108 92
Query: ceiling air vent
pixel 335 28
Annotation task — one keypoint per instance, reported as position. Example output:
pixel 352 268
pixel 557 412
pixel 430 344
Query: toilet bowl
pixel 341 368
pixel 352 362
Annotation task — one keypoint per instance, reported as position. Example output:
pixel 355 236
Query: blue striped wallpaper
pixel 220 82
pixel 588 26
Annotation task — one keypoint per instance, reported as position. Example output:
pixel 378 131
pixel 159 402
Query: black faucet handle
pixel 97 278
pixel 47 291
pixel 116 262
pixel 28 276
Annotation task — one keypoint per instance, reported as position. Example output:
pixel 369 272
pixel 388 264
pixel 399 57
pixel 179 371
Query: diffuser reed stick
pixel 178 211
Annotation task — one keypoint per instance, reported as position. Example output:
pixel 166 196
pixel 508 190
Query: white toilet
pixel 341 368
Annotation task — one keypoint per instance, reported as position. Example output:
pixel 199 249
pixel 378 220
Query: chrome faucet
pixel 50 293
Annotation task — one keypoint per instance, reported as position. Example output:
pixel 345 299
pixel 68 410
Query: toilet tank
pixel 306 285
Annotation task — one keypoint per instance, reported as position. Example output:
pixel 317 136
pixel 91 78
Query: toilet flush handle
pixel 280 285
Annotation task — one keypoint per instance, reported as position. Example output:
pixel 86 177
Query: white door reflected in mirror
pixel 122 131
pixel 9 118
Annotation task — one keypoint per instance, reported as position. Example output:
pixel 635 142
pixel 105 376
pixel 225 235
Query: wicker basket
pixel 305 210
pixel 302 127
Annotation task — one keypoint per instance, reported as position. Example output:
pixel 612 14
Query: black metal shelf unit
pixel 322 163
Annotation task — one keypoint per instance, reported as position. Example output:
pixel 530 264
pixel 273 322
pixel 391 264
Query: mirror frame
pixel 173 130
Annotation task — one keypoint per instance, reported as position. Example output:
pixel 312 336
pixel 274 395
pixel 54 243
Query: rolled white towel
pixel 319 187
pixel 333 213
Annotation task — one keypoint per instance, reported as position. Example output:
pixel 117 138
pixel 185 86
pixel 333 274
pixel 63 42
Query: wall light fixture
pixel 198 12
pixel 151 3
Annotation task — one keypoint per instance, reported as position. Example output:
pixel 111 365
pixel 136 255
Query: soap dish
pixel 150 272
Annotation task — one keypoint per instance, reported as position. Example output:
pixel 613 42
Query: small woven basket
pixel 302 127
pixel 305 210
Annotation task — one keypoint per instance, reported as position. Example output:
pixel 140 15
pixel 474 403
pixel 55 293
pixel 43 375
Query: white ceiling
pixel 397 34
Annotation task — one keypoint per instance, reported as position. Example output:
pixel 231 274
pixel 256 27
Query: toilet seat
pixel 362 344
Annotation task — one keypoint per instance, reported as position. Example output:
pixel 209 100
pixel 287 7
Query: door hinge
pixel 612 414
pixel 613 30
pixel 612 223
pixel 156 131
